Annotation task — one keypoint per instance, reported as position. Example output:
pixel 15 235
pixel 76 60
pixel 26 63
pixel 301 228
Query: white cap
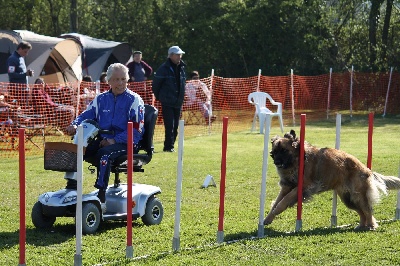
pixel 175 50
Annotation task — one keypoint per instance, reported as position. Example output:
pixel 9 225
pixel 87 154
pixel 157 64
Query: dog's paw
pixel 267 221
pixel 364 228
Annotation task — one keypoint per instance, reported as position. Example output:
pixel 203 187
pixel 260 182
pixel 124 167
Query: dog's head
pixel 285 150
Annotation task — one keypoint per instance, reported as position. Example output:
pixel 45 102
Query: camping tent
pixel 98 54
pixel 56 60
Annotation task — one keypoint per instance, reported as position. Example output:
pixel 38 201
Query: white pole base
pixel 299 224
pixel 129 252
pixel 175 243
pixel 261 230
pixel 333 221
pixel 78 260
pixel 397 217
pixel 220 237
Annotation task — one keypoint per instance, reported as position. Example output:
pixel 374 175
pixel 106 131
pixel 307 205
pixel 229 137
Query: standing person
pixel 17 72
pixel 112 110
pixel 169 88
pixel 16 68
pixel 139 70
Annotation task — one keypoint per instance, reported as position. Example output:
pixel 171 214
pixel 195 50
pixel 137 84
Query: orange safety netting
pixel 44 111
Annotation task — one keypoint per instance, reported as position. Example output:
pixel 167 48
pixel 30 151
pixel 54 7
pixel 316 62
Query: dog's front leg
pixel 285 199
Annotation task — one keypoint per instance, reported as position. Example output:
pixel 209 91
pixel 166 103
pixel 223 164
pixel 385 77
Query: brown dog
pixel 327 169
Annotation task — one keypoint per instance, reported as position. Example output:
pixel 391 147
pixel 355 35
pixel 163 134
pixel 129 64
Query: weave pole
pixel 337 146
pixel 370 131
pixel 264 176
pixel 176 238
pixel 258 80
pixel 292 94
pixel 22 200
pixel 129 247
pixel 220 233
pixel 329 93
pixel 210 111
pixel 387 92
pixel 78 213
pixel 301 173
pixel 397 215
pixel 351 91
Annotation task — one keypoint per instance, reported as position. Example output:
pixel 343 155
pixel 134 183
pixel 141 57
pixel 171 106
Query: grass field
pixel 316 244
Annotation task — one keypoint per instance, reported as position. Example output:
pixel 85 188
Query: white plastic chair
pixel 259 100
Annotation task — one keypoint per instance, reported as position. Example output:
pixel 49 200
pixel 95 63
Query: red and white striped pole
pixel 220 233
pixel 22 202
pixel 301 173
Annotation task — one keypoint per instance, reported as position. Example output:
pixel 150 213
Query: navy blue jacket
pixel 16 69
pixel 114 112
pixel 165 86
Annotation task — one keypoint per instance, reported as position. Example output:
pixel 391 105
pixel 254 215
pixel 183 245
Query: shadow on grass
pixel 59 233
pixel 322 231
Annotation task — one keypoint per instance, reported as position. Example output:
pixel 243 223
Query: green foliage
pixel 316 244
pixel 236 38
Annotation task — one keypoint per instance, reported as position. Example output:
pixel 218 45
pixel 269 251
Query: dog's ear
pixel 274 139
pixel 291 135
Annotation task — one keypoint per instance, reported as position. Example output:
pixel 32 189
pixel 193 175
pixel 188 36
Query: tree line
pixel 233 37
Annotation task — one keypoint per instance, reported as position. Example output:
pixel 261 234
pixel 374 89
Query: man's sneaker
pixel 103 207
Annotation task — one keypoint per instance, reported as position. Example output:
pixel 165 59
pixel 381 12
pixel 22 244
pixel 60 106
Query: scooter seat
pixel 138 160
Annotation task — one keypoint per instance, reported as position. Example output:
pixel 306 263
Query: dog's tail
pixel 391 182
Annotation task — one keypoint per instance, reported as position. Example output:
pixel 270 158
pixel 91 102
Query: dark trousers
pixel 171 117
pixel 102 158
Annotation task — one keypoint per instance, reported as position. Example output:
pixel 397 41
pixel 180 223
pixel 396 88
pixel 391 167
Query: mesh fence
pixel 44 111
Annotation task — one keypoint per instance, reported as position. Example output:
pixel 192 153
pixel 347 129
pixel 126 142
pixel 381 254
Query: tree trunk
pixel 373 25
pixel 74 16
pixel 386 25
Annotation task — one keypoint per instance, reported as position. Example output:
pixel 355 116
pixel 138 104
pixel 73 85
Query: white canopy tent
pixel 98 54
pixel 57 60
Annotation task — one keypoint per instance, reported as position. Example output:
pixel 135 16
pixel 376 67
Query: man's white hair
pixel 119 66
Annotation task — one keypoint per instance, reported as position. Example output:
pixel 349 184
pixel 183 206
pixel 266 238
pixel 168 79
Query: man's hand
pixel 71 129
pixel 107 142
pixel 30 72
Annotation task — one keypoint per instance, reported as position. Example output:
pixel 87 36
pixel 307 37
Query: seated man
pixel 194 85
pixel 112 110
pixel 59 115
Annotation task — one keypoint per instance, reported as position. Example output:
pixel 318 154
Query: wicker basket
pixel 60 156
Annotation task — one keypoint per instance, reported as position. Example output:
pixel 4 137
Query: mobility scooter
pixel 61 156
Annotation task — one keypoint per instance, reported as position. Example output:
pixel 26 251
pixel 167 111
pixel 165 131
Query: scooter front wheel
pixel 40 220
pixel 90 218
pixel 154 212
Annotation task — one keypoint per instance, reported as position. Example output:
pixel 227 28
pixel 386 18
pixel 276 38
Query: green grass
pixel 315 244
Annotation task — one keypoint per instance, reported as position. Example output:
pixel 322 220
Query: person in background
pixel 17 71
pixel 112 110
pixel 194 85
pixel 139 70
pixel 103 77
pixel 87 91
pixel 103 82
pixel 62 114
pixel 169 88
pixel 5 112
